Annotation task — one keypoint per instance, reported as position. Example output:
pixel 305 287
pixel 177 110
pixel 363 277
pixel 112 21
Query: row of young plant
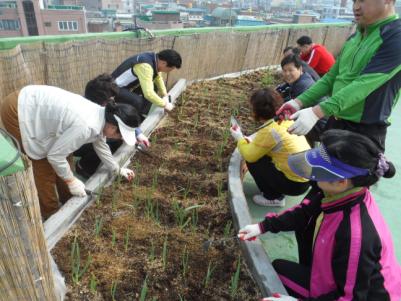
pixel 186 218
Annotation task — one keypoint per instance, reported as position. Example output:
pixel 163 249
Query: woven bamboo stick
pixel 25 272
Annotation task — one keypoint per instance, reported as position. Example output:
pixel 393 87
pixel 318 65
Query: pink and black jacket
pixel 352 256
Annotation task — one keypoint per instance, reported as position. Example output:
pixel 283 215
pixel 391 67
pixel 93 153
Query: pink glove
pixel 288 109
pixel 142 139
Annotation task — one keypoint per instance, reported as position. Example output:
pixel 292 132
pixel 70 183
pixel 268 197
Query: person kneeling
pixel 266 155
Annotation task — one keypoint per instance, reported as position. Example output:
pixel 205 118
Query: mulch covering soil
pixel 145 240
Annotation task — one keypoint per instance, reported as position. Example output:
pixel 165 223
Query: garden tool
pixel 91 193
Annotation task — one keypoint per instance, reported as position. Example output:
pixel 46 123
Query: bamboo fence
pixel 25 271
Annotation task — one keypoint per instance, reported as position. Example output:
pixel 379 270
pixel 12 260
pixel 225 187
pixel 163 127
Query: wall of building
pixel 59 22
pixel 10 25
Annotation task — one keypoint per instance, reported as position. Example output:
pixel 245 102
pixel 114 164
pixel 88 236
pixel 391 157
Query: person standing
pixel 364 84
pixel 51 123
pixel 138 75
pixel 315 55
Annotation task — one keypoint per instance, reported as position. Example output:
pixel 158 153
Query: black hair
pixel 265 102
pixel 101 89
pixel 291 58
pixel 358 151
pixel 171 57
pixel 304 40
pixel 287 49
pixel 294 50
pixel 127 113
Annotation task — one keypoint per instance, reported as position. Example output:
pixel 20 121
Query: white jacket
pixel 54 123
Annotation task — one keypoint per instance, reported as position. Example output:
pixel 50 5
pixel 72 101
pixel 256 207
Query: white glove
pixel 142 139
pixel 169 106
pixel 76 187
pixel 288 109
pixel 279 297
pixel 305 120
pixel 249 232
pixel 127 173
pixel 236 133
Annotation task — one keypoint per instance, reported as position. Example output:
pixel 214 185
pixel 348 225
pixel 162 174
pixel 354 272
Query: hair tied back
pixel 382 165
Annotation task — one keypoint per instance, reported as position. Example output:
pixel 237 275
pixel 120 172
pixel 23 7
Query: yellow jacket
pixel 145 75
pixel 273 140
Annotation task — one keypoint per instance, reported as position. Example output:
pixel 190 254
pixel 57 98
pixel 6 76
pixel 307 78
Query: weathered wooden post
pixel 25 270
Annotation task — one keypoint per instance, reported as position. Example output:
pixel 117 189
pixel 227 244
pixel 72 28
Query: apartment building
pixel 30 18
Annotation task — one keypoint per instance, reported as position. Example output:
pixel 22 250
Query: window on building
pixel 9 25
pixel 48 24
pixel 67 25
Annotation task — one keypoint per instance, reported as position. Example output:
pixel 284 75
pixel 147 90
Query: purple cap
pixel 317 165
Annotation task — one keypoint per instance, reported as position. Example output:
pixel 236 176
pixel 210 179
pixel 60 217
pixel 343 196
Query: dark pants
pixel 376 132
pixel 136 99
pixel 89 161
pixel 294 276
pixel 272 182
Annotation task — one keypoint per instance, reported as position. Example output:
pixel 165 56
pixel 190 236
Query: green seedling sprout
pixel 181 297
pixel 152 210
pixel 93 284
pixel 76 269
pixel 195 219
pixel 235 280
pixel 113 290
pixel 144 289
pixel 209 273
pixel 126 239
pixel 227 229
pixel 152 251
pixel 219 189
pixel 184 262
pixel 97 201
pixel 154 180
pixel 164 254
pixel 98 225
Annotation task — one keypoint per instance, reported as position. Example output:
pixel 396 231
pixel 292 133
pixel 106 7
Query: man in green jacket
pixel 365 82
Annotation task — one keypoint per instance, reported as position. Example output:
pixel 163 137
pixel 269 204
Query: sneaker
pixel 262 201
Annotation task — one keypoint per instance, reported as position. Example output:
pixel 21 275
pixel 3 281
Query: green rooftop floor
pixel 387 194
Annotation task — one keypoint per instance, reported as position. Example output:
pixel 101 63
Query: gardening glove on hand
pixel 236 132
pixel 305 120
pixel 168 105
pixel 288 109
pixel 249 232
pixel 76 187
pixel 279 297
pixel 142 139
pixel 127 173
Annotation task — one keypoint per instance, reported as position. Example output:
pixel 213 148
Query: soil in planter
pixel 145 240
